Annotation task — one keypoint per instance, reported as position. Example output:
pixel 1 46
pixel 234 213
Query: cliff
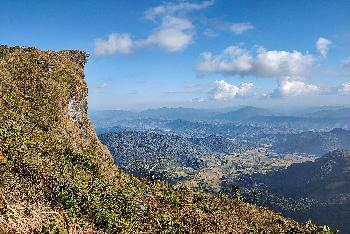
pixel 56 177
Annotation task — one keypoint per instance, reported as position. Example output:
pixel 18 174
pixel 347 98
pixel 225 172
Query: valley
pixel 218 152
pixel 175 117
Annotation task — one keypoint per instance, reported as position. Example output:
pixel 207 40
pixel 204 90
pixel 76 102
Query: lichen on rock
pixel 77 109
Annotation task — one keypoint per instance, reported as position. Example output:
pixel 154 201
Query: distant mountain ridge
pixel 177 113
pixel 331 114
pixel 183 113
pixel 105 117
pixel 57 177
pixel 315 118
pixel 244 113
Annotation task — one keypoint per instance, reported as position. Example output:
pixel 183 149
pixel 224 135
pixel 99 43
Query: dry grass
pixel 56 177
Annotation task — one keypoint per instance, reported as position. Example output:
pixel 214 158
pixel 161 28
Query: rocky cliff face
pixel 56 177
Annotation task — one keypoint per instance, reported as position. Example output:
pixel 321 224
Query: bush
pixel 87 195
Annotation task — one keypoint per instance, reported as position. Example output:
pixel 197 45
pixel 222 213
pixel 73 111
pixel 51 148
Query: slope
pixel 317 143
pixel 56 177
pixel 319 190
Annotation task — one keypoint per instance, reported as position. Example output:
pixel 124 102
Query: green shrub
pixel 173 199
pixel 52 228
pixel 87 195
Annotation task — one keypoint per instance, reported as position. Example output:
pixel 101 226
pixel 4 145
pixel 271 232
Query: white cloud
pixel 176 8
pixel 114 44
pixel 281 63
pixel 346 64
pixel 235 60
pixel 227 63
pixel 289 87
pixel 322 46
pixel 225 91
pixel 239 28
pixel 175 34
pixel 345 88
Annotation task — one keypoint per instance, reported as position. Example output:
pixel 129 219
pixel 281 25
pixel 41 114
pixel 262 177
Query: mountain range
pixel 56 176
pixel 325 118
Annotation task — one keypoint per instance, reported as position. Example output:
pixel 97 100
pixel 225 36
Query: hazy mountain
pixel 244 113
pixel 322 119
pixel 337 113
pixel 110 129
pixel 177 113
pixel 109 118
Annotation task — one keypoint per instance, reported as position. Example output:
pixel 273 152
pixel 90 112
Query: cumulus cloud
pixel 114 44
pixel 225 91
pixel 175 34
pixel 235 60
pixel 345 88
pixel 239 28
pixel 176 31
pixel 176 8
pixel 322 46
pixel 292 88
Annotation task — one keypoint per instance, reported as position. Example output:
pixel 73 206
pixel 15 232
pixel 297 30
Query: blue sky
pixel 211 53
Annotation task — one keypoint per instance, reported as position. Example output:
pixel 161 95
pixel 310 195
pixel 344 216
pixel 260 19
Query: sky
pixel 203 54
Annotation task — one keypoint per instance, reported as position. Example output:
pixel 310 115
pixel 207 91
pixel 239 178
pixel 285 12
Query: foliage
pixel 56 177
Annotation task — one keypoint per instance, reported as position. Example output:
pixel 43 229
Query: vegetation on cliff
pixel 56 177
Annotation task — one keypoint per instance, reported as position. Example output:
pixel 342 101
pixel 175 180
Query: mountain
pixel 325 118
pixel 56 177
pixel 337 113
pixel 319 190
pixel 109 118
pixel 177 113
pixel 100 131
pixel 310 142
pixel 243 113
pixel 138 152
pixel 201 129
pixel 220 144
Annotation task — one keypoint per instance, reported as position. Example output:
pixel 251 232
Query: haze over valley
pixel 259 150
pixel 175 117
